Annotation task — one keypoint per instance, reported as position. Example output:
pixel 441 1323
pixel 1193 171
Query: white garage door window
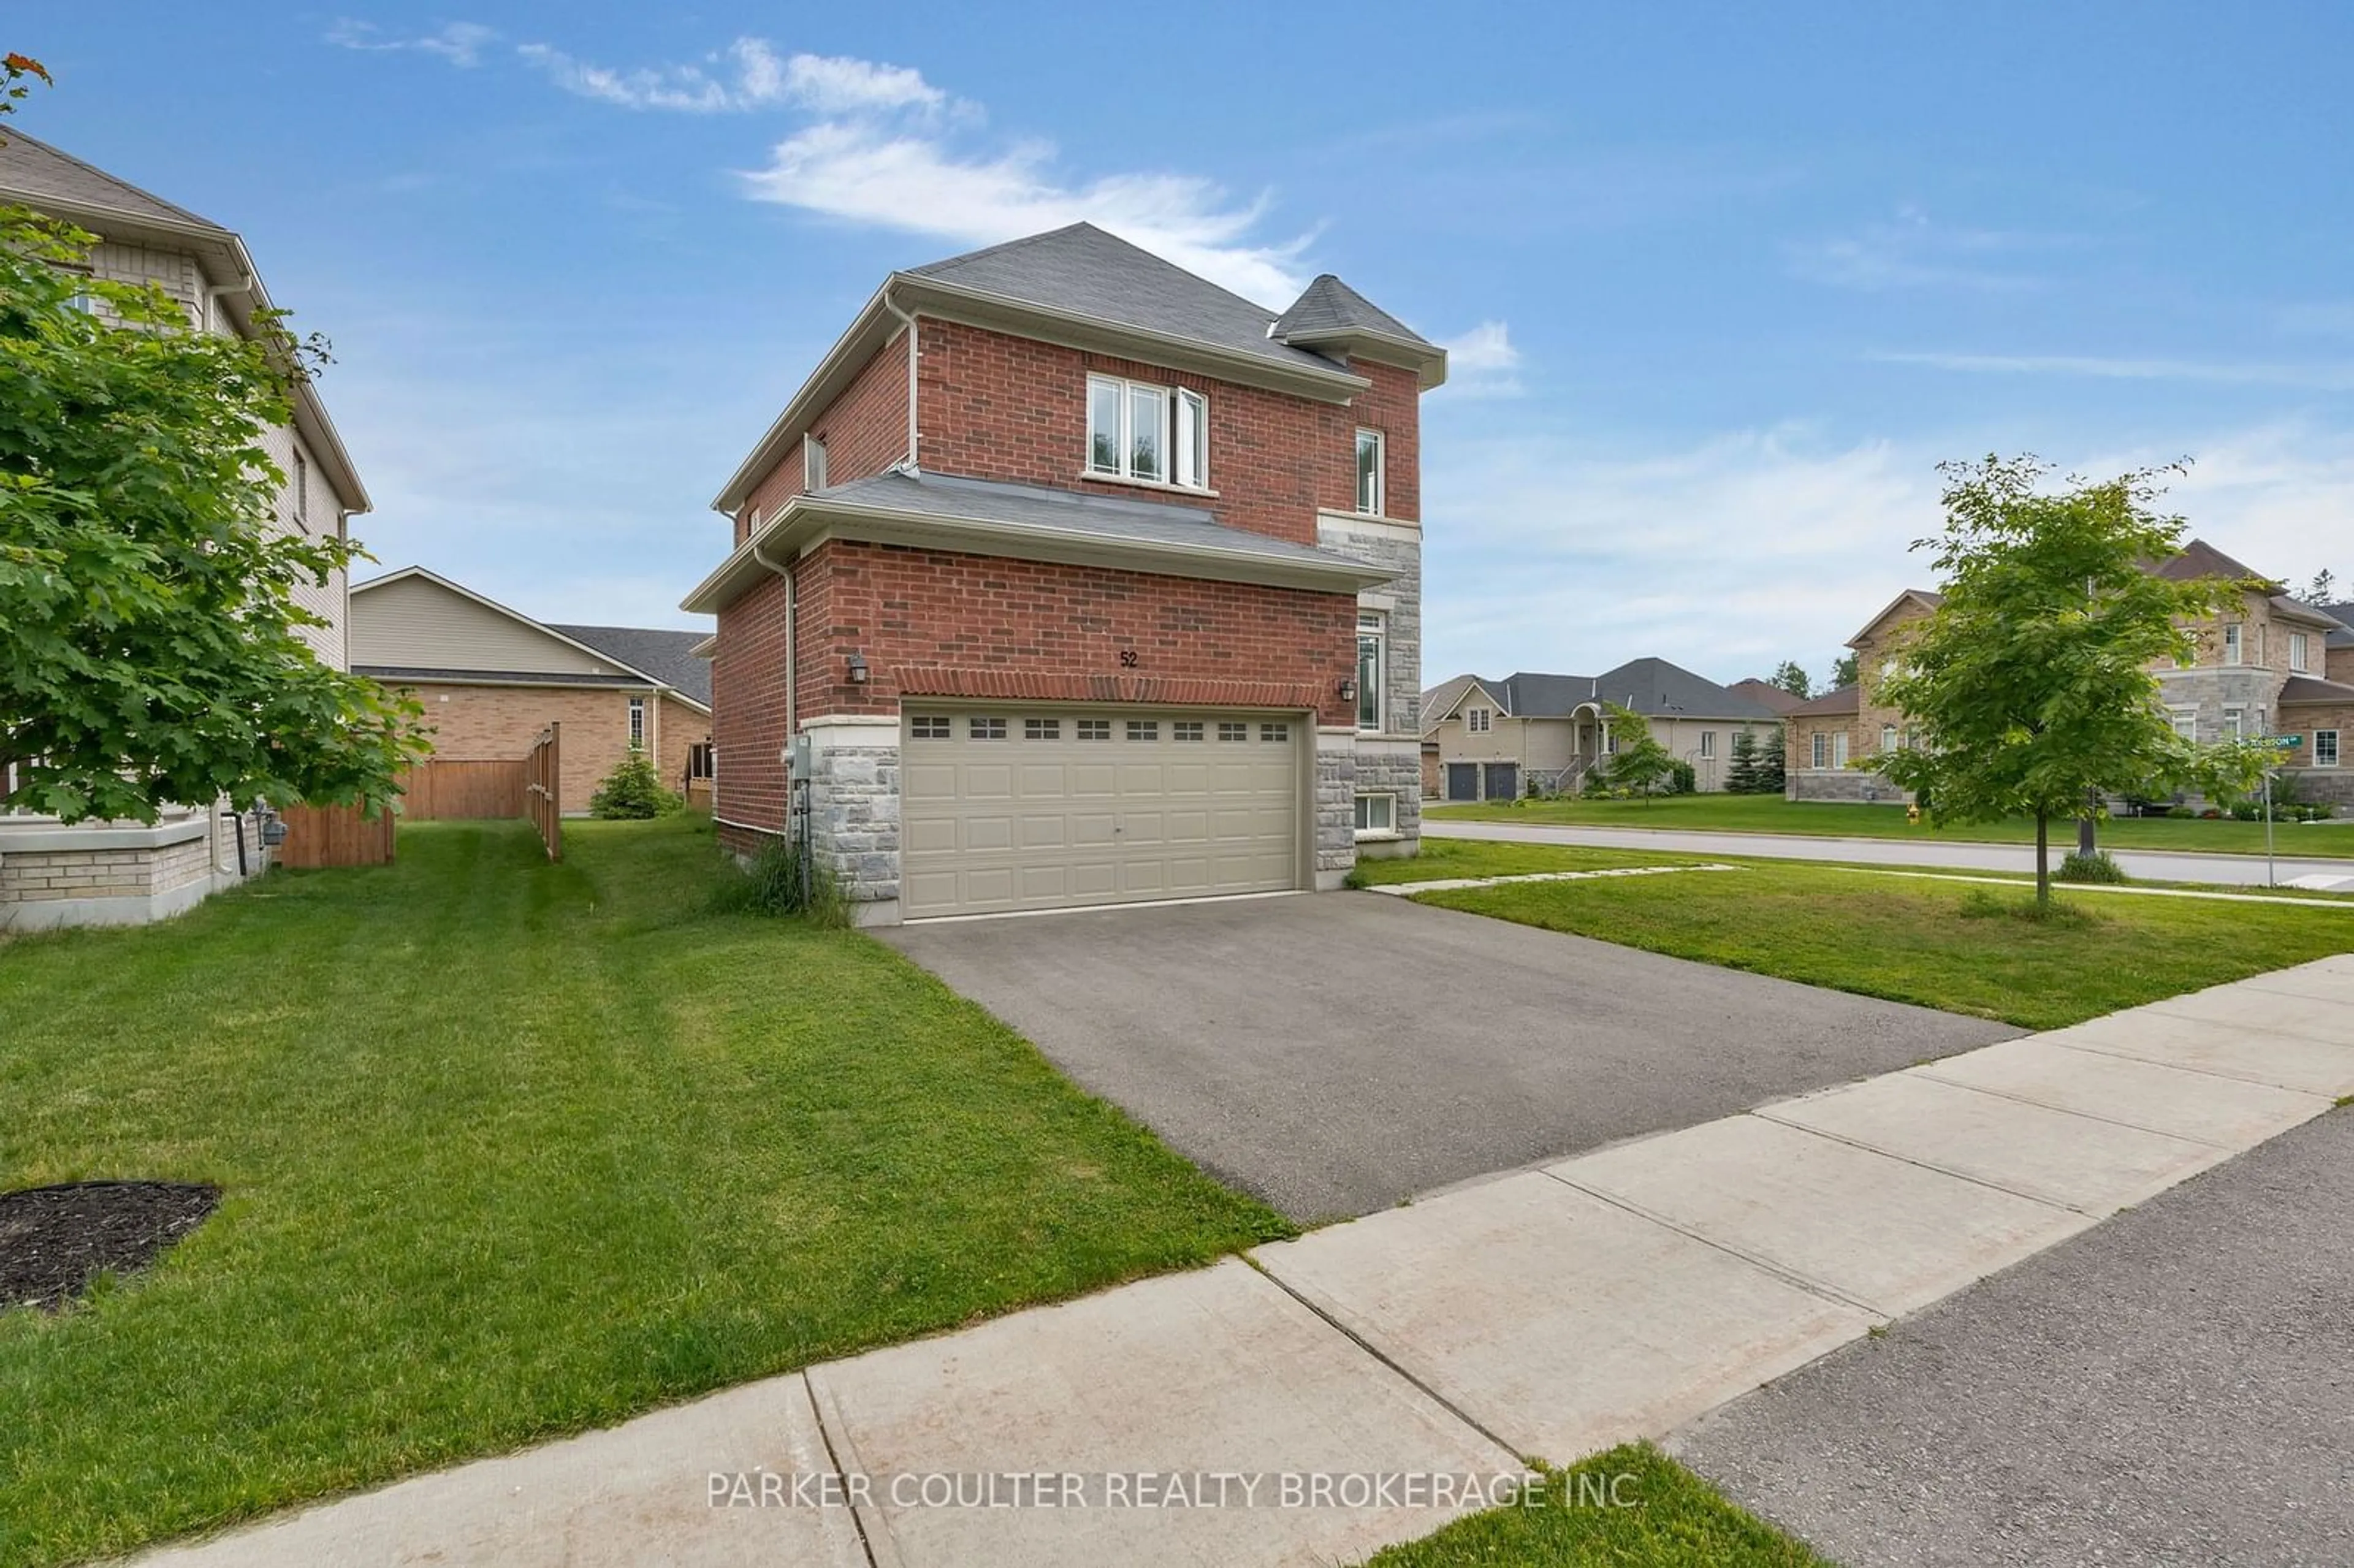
pixel 1006 809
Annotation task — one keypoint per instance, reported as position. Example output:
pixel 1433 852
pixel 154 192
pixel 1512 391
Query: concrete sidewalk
pixel 2319 874
pixel 1404 1360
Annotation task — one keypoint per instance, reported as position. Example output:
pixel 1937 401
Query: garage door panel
pixel 1041 819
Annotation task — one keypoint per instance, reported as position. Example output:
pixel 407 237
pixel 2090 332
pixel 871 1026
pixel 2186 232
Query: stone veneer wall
pixel 1390 767
pixel 1842 784
pixel 854 810
pixel 1333 807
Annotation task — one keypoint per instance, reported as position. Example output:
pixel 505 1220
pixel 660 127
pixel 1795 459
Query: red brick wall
pixel 928 610
pixel 996 407
pixel 865 431
pixel 748 684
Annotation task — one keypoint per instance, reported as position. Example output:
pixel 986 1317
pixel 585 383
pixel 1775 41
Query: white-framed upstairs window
pixel 1371 472
pixel 2234 642
pixel 637 724
pixel 1478 721
pixel 1157 435
pixel 1373 635
pixel 2299 650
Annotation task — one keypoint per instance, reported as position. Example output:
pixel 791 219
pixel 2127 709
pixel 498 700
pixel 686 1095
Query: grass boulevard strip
pixel 1807 819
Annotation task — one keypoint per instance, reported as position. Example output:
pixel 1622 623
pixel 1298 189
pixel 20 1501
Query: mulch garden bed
pixel 54 1241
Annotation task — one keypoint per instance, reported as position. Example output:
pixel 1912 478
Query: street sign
pixel 2283 742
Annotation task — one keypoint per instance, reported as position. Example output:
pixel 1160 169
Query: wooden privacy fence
pixel 544 788
pixel 319 836
pixel 442 788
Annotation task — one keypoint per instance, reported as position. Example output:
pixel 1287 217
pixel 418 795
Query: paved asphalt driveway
pixel 2155 865
pixel 2174 1387
pixel 1337 1053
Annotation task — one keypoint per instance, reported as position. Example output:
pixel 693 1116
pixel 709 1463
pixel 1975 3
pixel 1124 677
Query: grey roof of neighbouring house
pixel 1330 306
pixel 1765 693
pixel 516 677
pixel 1066 511
pixel 1839 700
pixel 1653 687
pixel 1082 269
pixel 32 168
pixel 2313 689
pixel 2344 615
pixel 668 656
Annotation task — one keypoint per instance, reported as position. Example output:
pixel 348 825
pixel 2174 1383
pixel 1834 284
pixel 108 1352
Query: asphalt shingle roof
pixel 1653 687
pixel 1069 512
pixel 1330 305
pixel 664 654
pixel 2312 689
pixel 38 172
pixel 1765 695
pixel 2201 559
pixel 1844 700
pixel 1084 271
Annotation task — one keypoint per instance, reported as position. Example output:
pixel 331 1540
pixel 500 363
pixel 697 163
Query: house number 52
pixel 1128 658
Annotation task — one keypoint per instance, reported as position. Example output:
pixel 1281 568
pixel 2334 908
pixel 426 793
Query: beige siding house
pixel 1494 739
pixel 491 679
pixel 109 872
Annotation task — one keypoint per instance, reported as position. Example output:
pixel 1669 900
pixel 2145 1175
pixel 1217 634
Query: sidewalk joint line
pixel 1931 1073
pixel 1375 1351
pixel 2104 1049
pixel 1766 1113
pixel 825 1435
pixel 1764 1264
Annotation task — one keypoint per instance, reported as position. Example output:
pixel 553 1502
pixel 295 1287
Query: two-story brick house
pixel 117 872
pixel 2262 666
pixel 1069 577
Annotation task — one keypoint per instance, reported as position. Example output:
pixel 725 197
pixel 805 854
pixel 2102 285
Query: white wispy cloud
pixel 892 175
pixel 2318 378
pixel 1910 251
pixel 460 43
pixel 1483 361
pixel 748 74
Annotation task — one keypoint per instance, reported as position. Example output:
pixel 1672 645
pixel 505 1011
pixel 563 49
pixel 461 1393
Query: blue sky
pixel 1724 282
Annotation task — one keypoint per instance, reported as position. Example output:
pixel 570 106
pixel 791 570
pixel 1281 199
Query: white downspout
pixel 793 637
pixel 914 436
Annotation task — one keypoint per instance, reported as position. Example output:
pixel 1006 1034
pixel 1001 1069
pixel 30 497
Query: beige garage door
pixel 1002 808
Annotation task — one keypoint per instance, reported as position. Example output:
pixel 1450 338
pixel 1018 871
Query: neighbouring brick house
pixel 2269 664
pixel 491 679
pixel 126 873
pixel 1073 578
pixel 1490 739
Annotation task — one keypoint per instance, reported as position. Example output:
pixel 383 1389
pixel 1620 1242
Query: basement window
pixel 1376 816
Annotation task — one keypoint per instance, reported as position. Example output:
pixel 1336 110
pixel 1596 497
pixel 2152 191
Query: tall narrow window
pixel 2234 723
pixel 301 490
pixel 1369 472
pixel 1822 754
pixel 2298 655
pixel 637 724
pixel 1839 749
pixel 1707 744
pixel 1104 403
pixel 2232 643
pixel 1192 452
pixel 2325 748
pixel 813 464
pixel 1888 737
pixel 1371 628
pixel 1147 412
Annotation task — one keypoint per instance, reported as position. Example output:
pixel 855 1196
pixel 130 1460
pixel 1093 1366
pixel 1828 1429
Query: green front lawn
pixel 1772 814
pixel 1904 938
pixel 1632 1507
pixel 510 1150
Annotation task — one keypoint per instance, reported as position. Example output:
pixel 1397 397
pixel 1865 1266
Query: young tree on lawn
pixel 1844 671
pixel 1771 762
pixel 2032 685
pixel 1792 679
pixel 1741 773
pixel 1641 764
pixel 154 652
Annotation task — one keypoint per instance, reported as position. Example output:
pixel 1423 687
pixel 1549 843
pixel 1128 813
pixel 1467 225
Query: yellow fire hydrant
pixel 1912 813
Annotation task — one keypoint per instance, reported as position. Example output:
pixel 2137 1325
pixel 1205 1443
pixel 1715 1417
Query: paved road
pixel 1335 1053
pixel 2156 866
pixel 2176 1387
